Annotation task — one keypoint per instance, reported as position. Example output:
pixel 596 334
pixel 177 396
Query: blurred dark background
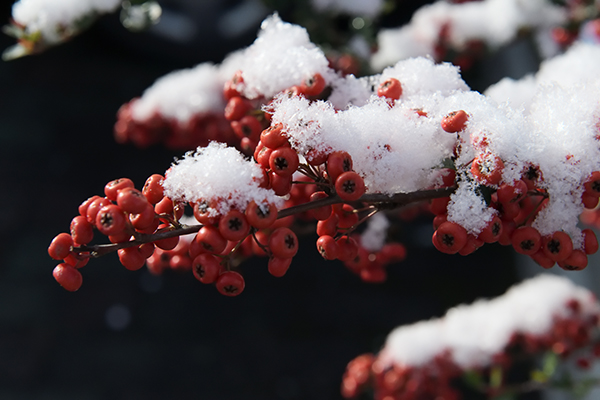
pixel 131 335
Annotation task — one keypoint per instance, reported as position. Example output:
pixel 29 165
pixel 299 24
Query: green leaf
pixel 473 379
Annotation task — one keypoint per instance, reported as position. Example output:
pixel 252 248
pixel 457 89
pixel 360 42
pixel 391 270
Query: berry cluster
pixel 570 333
pixel 516 206
pixel 198 130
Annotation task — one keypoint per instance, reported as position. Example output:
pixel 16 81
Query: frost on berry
pixel 220 173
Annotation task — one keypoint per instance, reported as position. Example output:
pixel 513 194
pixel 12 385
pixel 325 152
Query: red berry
pixel 328 226
pixel 112 188
pixel 439 206
pixel 234 226
pixel 236 108
pixel 231 88
pixel 211 239
pixel 77 260
pixel 283 243
pixel 390 88
pixel 153 189
pixel 313 86
pixel 321 213
pixel 350 186
pixel 590 241
pixel 94 207
pixel 110 220
pixel 273 137
pixel 168 243
pixel 82 231
pixel 278 266
pixel 132 200
pixel 576 261
pixel 131 258
pixel 248 127
pixel 84 206
pixel 347 217
pixel 491 233
pixel 450 237
pixel 455 121
pixel 487 169
pixel 206 267
pixel 143 220
pixel 280 184
pixel 512 193
pixel 327 247
pixel 558 246
pixel 261 216
pixel 230 283
pixel 347 248
pixel 338 162
pixel 68 277
pixel 592 185
pixel 284 161
pixel 526 240
pixel 60 247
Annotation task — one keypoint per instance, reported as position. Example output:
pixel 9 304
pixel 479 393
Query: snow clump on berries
pixel 495 22
pixel 48 16
pixel 472 334
pixel 182 94
pixel 220 173
pixel 281 56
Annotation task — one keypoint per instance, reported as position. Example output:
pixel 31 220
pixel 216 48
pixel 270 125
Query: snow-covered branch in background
pixel 544 314
pixel 441 27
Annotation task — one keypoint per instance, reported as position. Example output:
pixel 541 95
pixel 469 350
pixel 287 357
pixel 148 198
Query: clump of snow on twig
pixel 473 334
pixel 281 56
pixel 220 173
pixel 183 93
pixel 50 17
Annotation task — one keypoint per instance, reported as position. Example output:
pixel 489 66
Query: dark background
pixel 130 335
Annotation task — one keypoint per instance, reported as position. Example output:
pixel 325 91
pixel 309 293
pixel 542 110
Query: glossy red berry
pixel 526 240
pixel 236 108
pixel 280 184
pixel 576 261
pixel 112 188
pixel 60 247
pixel 94 207
pixel 261 216
pixel 234 226
pixel 350 186
pixel 84 206
pixel 168 243
pixel 204 212
pixel 68 277
pixel 131 258
pixel 320 213
pixel 454 122
pixel 230 283
pixel 347 248
pixel 542 260
pixel 273 137
pixel 487 169
pixel 283 243
pixel 82 232
pixel 110 220
pixel 313 86
pixel 338 162
pixel 284 161
pixel 144 220
pixel 211 239
pixel 132 200
pixel 248 127
pixel 328 247
pixel 347 216
pixel 206 267
pixel 328 226
pixel 590 241
pixel 558 246
pixel 232 86
pixel 512 193
pixel 491 233
pixel 153 189
pixel 592 184
pixel 390 88
pixel 278 266
pixel 450 237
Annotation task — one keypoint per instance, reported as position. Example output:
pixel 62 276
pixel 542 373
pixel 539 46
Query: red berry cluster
pixel 570 336
pixel 199 130
pixel 246 115
pixel 517 204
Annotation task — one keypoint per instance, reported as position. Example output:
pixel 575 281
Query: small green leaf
pixel 496 377
pixel 473 379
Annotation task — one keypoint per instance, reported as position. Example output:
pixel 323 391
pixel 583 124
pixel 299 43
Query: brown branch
pixel 385 201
